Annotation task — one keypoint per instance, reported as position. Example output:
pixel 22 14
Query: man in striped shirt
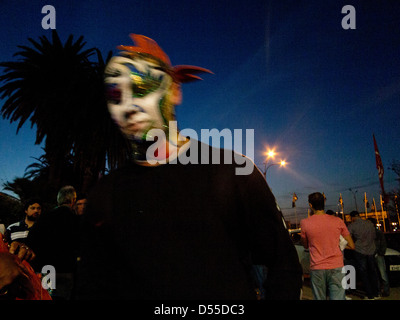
pixel 19 231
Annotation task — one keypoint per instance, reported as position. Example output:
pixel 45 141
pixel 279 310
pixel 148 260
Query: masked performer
pixel 163 227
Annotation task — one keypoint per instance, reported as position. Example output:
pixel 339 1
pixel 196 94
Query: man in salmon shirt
pixel 320 233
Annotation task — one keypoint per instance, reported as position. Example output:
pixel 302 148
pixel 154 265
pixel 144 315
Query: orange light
pixel 271 153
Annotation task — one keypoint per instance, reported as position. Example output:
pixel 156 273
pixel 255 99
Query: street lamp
pixel 270 155
pixel 282 163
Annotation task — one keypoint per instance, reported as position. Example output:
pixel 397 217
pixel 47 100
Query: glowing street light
pixel 282 163
pixel 270 155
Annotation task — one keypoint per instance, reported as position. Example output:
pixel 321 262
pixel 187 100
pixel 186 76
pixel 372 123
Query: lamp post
pixel 270 155
pixel 282 164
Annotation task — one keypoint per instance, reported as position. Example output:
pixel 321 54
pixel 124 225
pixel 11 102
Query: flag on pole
pixel 341 209
pixel 366 200
pixel 366 205
pixel 383 208
pixel 379 166
pixel 383 204
pixel 341 201
pixel 373 206
pixel 294 199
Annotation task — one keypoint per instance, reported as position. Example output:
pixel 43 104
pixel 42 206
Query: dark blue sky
pixel 286 69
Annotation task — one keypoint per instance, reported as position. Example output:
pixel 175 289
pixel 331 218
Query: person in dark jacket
pixel 363 233
pixel 174 223
pixel 54 239
pixel 381 246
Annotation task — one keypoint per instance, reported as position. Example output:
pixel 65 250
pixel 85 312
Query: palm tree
pixel 60 90
pixel 22 187
pixel 95 125
pixel 25 188
pixel 38 169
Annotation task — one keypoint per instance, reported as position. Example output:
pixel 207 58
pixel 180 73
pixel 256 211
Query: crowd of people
pixel 327 236
pixel 43 239
pixel 161 227
pixel 52 238
pixel 169 229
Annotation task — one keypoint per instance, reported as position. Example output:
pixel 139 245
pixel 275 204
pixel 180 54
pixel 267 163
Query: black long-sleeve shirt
pixel 179 231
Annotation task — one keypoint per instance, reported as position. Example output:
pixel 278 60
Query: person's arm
pixel 14 277
pixel 273 246
pixel 22 251
pixel 350 243
pixel 303 235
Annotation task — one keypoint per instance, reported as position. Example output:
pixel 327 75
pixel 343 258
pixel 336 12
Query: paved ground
pixel 356 295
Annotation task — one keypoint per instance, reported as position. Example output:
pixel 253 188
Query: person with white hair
pixel 54 240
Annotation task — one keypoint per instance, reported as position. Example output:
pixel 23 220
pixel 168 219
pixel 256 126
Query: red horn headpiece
pixel 145 45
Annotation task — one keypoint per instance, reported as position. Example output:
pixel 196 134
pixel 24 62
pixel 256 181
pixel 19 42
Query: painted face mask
pixel 137 92
pixel 142 89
